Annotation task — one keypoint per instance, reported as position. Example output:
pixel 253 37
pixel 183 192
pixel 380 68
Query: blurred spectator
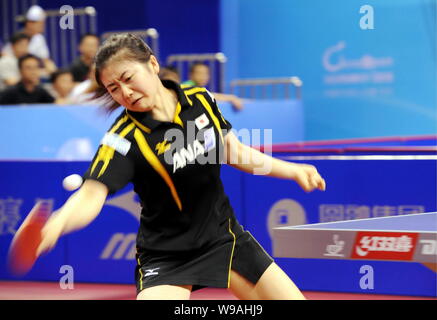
pixel 88 46
pixel 34 27
pixel 170 73
pixel 199 75
pixel 28 90
pixel 84 92
pixel 9 72
pixel 62 84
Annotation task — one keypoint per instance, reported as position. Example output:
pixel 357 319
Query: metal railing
pixel 150 36
pixel 267 88
pixel 9 10
pixel 214 60
pixel 63 43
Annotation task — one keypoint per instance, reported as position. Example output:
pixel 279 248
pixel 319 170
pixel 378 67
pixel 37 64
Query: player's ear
pixel 153 62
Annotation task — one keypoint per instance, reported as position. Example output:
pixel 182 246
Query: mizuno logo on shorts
pixel 150 272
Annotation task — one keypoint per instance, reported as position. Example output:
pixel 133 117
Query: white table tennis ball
pixel 72 182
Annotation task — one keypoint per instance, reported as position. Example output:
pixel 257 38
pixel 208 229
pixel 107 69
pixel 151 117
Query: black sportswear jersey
pixel 174 167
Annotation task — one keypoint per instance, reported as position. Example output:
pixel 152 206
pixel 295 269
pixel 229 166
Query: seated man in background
pixel 9 72
pixel 34 27
pixel 199 75
pixel 28 90
pixel 88 46
pixel 62 84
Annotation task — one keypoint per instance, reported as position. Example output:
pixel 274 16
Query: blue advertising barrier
pixel 22 184
pixel 104 251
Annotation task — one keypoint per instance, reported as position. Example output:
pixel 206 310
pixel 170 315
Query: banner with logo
pixel 105 250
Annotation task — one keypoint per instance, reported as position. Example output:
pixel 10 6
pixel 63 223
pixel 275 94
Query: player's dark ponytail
pixel 123 46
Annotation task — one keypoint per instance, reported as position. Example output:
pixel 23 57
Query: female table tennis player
pixel 189 237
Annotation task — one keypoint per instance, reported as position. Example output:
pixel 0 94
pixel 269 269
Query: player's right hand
pixel 50 234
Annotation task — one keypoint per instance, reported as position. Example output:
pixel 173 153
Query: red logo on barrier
pixel 384 245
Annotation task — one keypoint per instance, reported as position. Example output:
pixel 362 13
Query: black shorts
pixel 210 266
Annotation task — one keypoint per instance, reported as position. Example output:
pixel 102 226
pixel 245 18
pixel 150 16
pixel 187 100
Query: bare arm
pixel 236 102
pixel 247 159
pixel 77 212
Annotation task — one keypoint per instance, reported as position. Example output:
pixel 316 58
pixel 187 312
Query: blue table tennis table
pixel 407 238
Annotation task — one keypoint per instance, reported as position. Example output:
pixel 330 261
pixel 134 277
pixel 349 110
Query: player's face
pixel 132 84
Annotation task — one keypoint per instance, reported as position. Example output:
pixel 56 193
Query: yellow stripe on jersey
pixel 138 124
pixel 118 124
pixel 177 119
pixel 156 164
pixel 232 254
pixel 184 86
pixel 189 100
pixel 106 153
pixel 194 90
pixel 126 130
pixel 211 114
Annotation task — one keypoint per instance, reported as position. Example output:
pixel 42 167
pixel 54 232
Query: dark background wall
pixel 184 26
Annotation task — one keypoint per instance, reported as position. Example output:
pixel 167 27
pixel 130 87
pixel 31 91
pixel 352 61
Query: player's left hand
pixel 308 177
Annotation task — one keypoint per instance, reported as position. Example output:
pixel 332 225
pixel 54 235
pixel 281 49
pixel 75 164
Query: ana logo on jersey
pixel 181 157
pixel 189 154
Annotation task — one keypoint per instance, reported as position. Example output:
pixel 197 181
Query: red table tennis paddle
pixel 22 252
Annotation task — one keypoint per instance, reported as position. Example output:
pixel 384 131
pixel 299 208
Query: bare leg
pixel 165 292
pixel 274 284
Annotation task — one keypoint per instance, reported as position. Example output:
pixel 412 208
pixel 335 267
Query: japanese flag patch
pixel 201 121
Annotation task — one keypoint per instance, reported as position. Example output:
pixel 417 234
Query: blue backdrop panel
pixel 357 82
pixel 355 189
pixel 22 183
pixel 74 132
pixel 283 117
pixel 52 132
